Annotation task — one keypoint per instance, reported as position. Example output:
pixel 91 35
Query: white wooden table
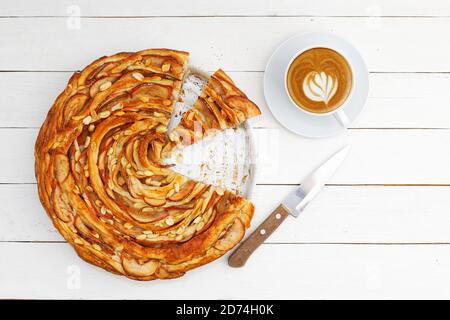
pixel 380 229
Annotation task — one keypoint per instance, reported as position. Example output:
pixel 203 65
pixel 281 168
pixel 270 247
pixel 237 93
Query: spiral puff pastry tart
pixel 102 179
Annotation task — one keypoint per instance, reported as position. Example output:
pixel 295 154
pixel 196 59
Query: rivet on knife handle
pixel 239 257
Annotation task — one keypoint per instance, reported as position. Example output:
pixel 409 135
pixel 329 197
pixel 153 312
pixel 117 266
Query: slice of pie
pixel 221 105
pixel 102 180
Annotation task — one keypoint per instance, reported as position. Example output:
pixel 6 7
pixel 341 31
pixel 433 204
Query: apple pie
pixel 101 174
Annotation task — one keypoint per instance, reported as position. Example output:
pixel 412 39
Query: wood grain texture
pixel 289 272
pixel 388 45
pixel 139 8
pixel 403 45
pixel 396 100
pixel 340 214
pixel 262 232
pixel 377 156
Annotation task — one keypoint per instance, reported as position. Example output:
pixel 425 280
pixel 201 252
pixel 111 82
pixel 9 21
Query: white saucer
pixel 289 115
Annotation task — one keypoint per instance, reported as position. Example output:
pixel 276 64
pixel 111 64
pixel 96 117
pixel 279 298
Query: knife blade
pixel 293 204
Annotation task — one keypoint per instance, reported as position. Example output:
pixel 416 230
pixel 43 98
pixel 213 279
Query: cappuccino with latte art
pixel 319 80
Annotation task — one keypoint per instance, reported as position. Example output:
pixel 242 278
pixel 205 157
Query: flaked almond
pixel 180 230
pixel 179 237
pixel 189 231
pixel 104 114
pixel 105 86
pixel 220 191
pixel 97 247
pixel 161 129
pixel 76 145
pixel 147 173
pixel 87 120
pixel 91 128
pixel 138 76
pixel 77 155
pixel 167 102
pixel 116 107
pixel 155 202
pixel 78 241
pixel 169 221
pixel 165 67
pixel 87 142
pixel 147 232
pixel 197 219
pixel 174 137
pixel 103 210
pixel 177 187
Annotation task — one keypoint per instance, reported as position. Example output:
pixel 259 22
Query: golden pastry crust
pixel 103 184
pixel 220 106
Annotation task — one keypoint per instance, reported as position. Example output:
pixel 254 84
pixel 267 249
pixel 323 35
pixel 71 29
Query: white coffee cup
pixel 338 113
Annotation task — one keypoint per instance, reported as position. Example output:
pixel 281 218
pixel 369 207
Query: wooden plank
pixel 350 214
pixel 231 7
pixel 289 272
pixel 238 43
pixel 396 100
pixel 377 156
pixel 22 217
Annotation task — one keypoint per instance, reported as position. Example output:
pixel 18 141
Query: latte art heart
pixel 319 80
pixel 320 86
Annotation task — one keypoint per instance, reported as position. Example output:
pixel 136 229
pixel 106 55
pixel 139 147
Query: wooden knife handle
pixel 239 257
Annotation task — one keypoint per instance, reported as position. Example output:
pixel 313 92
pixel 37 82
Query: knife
pixel 294 203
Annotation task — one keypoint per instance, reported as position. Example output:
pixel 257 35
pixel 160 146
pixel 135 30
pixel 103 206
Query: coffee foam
pixel 320 87
pixel 319 80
